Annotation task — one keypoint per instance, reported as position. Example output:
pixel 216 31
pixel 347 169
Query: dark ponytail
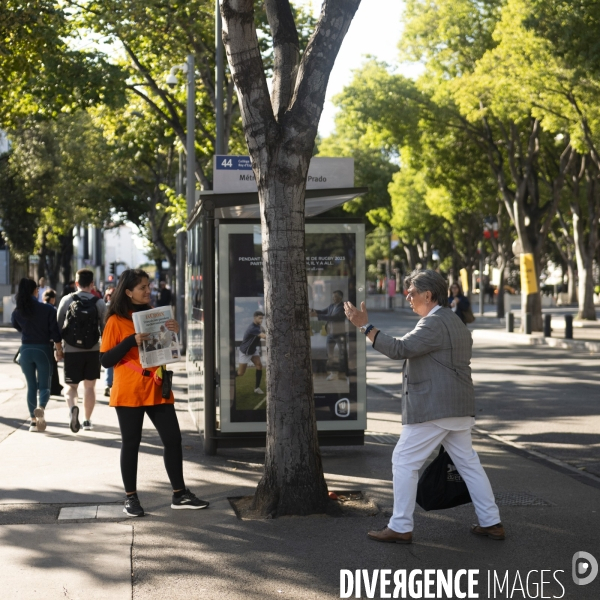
pixel 24 298
pixel 120 302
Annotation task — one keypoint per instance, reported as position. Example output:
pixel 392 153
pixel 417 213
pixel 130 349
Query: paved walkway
pixel 549 513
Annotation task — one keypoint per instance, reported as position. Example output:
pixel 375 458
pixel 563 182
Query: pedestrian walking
pixel 164 296
pixel 56 388
pixel 80 318
pixel 438 404
pixel 42 287
pixel 138 392
pixel 460 304
pixel 37 323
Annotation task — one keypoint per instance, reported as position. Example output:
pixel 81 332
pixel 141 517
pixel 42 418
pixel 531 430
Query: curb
pixel 536 339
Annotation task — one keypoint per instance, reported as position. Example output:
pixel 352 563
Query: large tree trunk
pixel 293 477
pixel 280 132
pixel 585 263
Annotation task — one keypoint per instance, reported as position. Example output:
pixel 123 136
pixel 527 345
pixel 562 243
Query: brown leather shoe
pixel 389 535
pixel 496 532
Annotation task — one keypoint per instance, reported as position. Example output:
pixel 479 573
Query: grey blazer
pixel 436 375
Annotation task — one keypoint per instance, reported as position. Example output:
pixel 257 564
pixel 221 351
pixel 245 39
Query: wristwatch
pixel 367 328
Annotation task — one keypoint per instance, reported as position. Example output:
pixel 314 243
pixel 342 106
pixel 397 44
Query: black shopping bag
pixel 441 486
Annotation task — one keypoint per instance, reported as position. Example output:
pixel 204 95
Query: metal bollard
pixel 510 321
pixel 568 327
pixel 528 323
pixel 547 325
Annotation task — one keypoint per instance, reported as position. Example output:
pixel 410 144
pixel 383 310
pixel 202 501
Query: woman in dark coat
pixel 37 323
pixel 458 302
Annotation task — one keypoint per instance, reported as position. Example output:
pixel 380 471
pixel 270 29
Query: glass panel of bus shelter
pixel 335 264
pixel 195 326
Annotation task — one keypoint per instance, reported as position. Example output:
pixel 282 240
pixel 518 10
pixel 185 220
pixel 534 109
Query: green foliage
pixel 449 36
pixel 53 179
pixel 40 74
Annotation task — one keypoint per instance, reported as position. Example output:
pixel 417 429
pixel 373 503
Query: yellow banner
pixel 464 281
pixel 529 284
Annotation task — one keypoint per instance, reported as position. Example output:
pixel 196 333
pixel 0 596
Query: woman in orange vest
pixel 137 392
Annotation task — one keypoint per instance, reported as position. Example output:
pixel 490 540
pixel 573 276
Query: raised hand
pixel 358 317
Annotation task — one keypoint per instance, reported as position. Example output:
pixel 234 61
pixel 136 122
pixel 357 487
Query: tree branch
pixel 247 70
pixel 286 54
pixel 317 61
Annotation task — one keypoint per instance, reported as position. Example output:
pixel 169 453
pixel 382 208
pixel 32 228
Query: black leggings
pixel 164 419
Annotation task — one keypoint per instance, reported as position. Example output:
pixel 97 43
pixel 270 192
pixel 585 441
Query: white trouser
pixel 415 445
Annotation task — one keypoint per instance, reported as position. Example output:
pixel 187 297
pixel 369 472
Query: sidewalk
pixel 548 513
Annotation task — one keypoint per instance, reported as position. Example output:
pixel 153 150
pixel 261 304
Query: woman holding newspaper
pixel 137 391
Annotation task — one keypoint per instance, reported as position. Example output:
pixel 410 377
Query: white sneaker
pixel 258 391
pixel 32 425
pixel 87 425
pixel 40 419
pixel 330 377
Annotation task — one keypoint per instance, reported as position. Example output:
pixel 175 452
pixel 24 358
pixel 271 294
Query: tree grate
pixel 519 499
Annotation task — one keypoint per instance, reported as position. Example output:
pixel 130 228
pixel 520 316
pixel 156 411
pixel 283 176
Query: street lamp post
pixel 219 80
pixel 188 69
pixel 481 290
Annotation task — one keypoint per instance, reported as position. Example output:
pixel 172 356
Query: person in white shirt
pixel 438 404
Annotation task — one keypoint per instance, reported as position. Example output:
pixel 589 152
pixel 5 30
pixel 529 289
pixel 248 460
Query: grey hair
pixel 427 280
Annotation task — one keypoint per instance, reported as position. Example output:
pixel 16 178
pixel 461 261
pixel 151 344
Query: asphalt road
pixel 544 398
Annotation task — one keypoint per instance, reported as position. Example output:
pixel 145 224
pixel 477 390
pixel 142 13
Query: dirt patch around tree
pixel 342 504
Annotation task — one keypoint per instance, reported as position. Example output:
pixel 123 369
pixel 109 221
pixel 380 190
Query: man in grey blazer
pixel 438 404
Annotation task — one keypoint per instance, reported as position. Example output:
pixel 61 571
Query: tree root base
pixel 349 504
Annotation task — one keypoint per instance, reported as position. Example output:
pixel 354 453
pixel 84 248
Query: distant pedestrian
pixel 37 323
pixel 80 318
pixel 138 392
pixel 56 388
pixel 49 297
pixel 458 302
pixel 165 296
pixel 42 287
pixel 438 404
pixel 69 288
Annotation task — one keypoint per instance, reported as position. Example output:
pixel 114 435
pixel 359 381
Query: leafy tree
pixel 142 177
pixel 53 179
pixel 176 29
pixel 40 74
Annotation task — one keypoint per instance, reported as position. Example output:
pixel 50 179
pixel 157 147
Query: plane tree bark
pixel 585 212
pixel 280 131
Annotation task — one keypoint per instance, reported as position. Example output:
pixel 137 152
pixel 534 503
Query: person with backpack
pixel 37 324
pixel 80 319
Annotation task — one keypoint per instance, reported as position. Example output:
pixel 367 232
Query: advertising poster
pixel 331 279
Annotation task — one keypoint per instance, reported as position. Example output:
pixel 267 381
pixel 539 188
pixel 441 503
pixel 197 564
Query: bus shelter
pixel 225 290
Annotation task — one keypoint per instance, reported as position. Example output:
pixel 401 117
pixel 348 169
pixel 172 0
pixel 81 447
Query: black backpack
pixel 82 323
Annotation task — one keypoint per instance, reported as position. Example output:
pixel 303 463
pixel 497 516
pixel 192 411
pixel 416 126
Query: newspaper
pixel 163 345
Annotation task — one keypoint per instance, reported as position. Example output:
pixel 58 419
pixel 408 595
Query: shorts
pixel 82 365
pixel 246 359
